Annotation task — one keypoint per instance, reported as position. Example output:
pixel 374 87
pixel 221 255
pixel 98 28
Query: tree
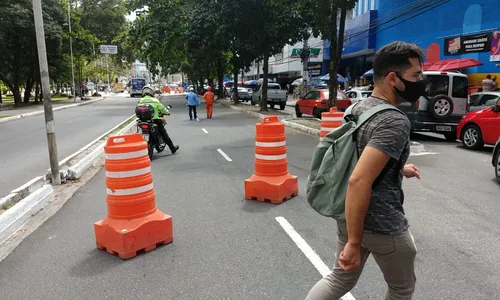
pixel 325 24
pixel 278 23
pixel 18 50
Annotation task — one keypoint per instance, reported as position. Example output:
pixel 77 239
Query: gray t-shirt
pixel 388 131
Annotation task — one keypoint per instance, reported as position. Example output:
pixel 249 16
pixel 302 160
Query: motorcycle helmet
pixel 147 91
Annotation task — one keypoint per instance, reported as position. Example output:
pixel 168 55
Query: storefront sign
pixel 495 47
pixel 296 52
pixel 468 44
pixel 314 69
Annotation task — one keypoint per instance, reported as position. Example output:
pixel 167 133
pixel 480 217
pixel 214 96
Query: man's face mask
pixel 413 90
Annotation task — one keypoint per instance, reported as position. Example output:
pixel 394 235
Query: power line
pixel 432 6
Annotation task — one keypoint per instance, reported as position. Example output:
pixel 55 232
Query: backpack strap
pixel 367 115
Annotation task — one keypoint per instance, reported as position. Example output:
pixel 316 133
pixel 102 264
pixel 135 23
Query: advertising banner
pixel 468 44
pixel 495 46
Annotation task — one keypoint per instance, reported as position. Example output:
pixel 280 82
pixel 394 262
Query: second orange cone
pixel 271 180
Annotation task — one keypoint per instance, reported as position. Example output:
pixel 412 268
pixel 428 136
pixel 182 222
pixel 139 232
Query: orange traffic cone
pixel 329 121
pixel 133 222
pixel 271 180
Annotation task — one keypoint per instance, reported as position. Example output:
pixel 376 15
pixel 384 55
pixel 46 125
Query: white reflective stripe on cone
pixel 270 157
pixel 116 156
pixel 330 119
pixel 327 128
pixel 126 174
pixel 128 192
pixel 270 144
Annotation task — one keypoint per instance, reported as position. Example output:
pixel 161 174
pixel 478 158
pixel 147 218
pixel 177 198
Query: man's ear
pixel 391 79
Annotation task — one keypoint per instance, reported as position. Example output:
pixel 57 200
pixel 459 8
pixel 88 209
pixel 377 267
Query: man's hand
pixel 350 257
pixel 411 171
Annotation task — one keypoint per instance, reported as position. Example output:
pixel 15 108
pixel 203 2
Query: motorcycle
pixel 149 130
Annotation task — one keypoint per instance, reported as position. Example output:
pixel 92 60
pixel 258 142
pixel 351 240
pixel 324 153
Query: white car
pixel 357 95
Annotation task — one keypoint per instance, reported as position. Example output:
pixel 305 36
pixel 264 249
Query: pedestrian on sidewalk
pixel 375 221
pixel 192 102
pixel 209 102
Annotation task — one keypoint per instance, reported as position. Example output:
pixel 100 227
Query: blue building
pixel 455 29
pixel 443 29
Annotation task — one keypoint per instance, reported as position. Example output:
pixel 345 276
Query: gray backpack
pixel 334 160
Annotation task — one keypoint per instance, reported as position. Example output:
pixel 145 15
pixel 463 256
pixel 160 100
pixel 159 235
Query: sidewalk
pixel 307 125
pixel 7 110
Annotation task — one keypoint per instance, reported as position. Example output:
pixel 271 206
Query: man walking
pixel 209 102
pixel 375 221
pixel 192 102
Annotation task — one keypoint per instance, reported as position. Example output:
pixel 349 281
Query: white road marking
pixel 224 155
pixel 204 130
pixel 308 252
pixel 423 153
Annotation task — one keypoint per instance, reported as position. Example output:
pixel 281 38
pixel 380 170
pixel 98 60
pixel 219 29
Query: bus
pixel 135 86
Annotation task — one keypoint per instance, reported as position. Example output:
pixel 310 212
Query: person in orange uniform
pixel 209 102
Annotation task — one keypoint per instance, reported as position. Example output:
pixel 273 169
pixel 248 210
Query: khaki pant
pixel 394 254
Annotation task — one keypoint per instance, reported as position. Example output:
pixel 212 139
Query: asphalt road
pixel 24 151
pixel 226 247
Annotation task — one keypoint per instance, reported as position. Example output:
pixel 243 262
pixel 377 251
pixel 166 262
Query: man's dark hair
pixel 394 57
pixel 488 76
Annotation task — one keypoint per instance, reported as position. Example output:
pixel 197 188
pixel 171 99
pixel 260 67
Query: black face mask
pixel 413 90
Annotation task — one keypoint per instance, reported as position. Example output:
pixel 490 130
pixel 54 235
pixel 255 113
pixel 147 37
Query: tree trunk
pixel 235 87
pixel 265 70
pixel 37 92
pixel 29 86
pixel 220 79
pixel 332 97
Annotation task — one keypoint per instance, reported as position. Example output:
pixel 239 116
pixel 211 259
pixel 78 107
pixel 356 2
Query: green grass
pixel 10 100
pixel 4 117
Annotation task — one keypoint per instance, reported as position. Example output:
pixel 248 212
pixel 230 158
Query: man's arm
pixel 388 140
pixel 359 192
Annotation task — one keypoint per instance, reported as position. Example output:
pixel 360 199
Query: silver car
pixel 483 100
pixel 357 95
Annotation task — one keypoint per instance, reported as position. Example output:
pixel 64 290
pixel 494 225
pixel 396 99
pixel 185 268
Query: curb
pixel 71 156
pixel 22 191
pixel 76 171
pixel 12 219
pixel 40 112
pixel 31 197
pixel 299 127
pixel 302 128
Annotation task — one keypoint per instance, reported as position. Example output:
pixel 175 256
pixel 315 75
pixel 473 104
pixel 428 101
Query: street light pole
pixel 50 126
pixel 71 51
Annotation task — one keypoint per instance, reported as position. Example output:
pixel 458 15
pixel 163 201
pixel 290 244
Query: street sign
pixel 297 51
pixel 109 49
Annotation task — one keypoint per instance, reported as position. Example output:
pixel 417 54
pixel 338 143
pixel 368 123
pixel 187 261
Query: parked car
pixel 444 106
pixel 482 100
pixel 356 95
pixel 243 94
pixel 275 95
pixel 496 160
pixel 316 101
pixel 480 127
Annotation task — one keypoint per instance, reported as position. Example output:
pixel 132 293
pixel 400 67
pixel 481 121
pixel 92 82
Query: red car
pixel 480 127
pixel 316 101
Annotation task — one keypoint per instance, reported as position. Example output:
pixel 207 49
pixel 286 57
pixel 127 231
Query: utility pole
pixel 50 126
pixel 71 51
pixel 305 65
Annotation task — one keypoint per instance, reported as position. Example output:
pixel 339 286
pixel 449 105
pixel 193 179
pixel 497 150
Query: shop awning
pixel 453 64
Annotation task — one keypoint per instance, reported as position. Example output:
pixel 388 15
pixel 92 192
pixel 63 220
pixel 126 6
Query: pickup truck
pixel 275 95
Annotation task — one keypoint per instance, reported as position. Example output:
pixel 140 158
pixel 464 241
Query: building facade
pixel 455 29
pixel 443 29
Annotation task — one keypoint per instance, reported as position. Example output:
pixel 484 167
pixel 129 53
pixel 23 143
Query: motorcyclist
pixel 159 108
